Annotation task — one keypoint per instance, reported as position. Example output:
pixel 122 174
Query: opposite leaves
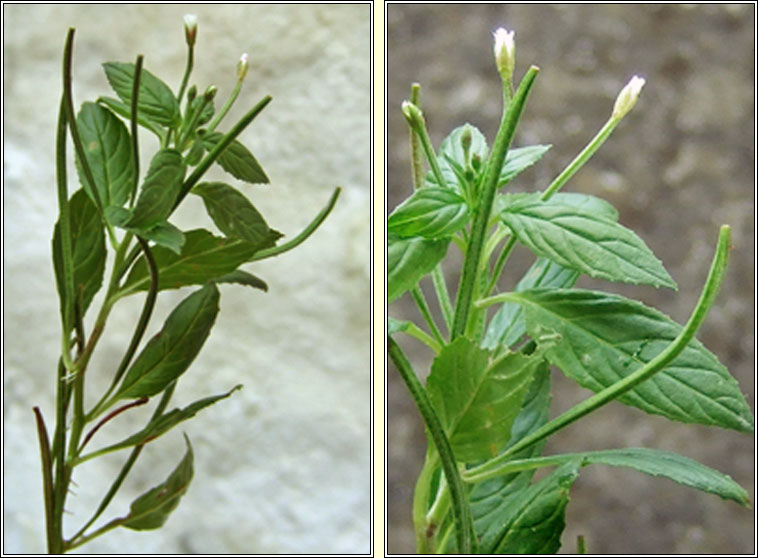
pixel 170 352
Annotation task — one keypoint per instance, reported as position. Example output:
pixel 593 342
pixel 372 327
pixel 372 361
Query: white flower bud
pixel 505 53
pixel 628 97
pixel 242 67
pixel 190 28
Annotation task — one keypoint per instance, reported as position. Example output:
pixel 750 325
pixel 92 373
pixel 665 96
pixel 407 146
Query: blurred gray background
pixel 283 465
pixel 679 165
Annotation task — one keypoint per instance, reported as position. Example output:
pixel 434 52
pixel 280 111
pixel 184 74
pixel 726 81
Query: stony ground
pixel 679 165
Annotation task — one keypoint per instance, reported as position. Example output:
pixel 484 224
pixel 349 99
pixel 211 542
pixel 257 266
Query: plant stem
pixel 418 297
pixel 227 105
pixel 707 297
pixel 211 157
pixel 133 125
pixel 187 72
pixel 300 238
pixel 461 510
pixel 165 398
pixel 53 542
pixel 443 297
pixel 582 158
pixel 424 535
pixel 144 319
pixel 471 265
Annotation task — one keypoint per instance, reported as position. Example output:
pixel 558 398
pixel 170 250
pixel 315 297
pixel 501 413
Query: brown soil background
pixel 681 164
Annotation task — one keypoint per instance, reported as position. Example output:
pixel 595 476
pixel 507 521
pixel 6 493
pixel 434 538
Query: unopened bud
pixel 242 67
pixel 628 97
pixel 210 93
pixel 190 28
pixel 505 53
pixel 413 115
pixel 466 139
pixel 192 93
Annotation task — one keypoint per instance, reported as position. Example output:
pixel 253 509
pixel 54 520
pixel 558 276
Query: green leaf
pixel 672 466
pixel 203 258
pixel 582 240
pixel 171 351
pixel 451 155
pixel 232 212
pixel 162 424
pixel 507 325
pixel 535 518
pixel 88 250
pixel 242 277
pixel 408 260
pixel 159 190
pixel 237 160
pixel 108 150
pixel 518 160
pixel 151 510
pixel 490 499
pixel 585 202
pixel 429 213
pixel 606 337
pixel 125 111
pixel 165 234
pixel 156 101
pixel 477 398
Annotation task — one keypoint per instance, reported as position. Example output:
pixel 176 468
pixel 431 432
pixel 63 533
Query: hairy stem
pixel 461 509
pixel 471 264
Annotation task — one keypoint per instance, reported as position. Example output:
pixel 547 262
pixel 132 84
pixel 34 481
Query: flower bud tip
pixel 628 97
pixel 505 52
pixel 190 28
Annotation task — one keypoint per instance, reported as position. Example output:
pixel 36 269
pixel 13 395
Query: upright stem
pixel 471 265
pixel 461 510
pixel 53 541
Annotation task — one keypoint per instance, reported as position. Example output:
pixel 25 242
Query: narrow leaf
pixel 477 398
pixel 151 510
pixel 159 190
pixel 162 424
pixel 232 212
pixel 108 151
pixel 242 277
pixel 582 240
pixel 88 249
pixel 430 213
pixel 156 101
pixel 672 466
pixel 408 260
pixel 237 160
pixel 171 351
pixel 606 337
pixel 203 258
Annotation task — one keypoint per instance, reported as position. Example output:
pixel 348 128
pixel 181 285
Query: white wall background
pixel 282 466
